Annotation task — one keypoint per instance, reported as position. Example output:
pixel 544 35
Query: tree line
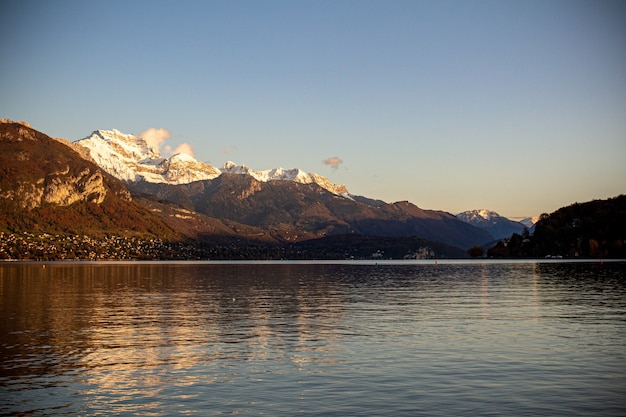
pixel 595 229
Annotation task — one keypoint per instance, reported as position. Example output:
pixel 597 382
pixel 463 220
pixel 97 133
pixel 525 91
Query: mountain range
pixel 131 159
pixel 497 226
pixel 115 183
pixel 290 205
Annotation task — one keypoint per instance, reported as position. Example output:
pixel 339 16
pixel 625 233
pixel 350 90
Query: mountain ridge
pixel 130 158
pixel 496 225
pixel 315 212
pixel 291 204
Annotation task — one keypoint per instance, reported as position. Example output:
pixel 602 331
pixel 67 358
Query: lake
pixel 317 338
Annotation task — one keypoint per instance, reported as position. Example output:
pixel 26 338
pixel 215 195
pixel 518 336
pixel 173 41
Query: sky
pixel 514 106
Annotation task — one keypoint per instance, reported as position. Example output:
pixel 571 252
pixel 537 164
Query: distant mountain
pixel 291 204
pixel 293 211
pixel 130 159
pixel 497 226
pixel 530 222
pixel 280 174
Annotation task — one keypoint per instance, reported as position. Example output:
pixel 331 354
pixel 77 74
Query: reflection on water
pixel 286 338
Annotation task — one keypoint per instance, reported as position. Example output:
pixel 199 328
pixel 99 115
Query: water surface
pixel 399 338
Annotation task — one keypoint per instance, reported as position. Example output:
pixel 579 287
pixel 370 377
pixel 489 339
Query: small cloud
pixel 184 148
pixel 333 162
pixel 155 137
pixel 227 150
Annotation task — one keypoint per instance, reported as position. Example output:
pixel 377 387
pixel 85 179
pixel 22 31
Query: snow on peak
pixel 130 158
pixel 183 157
pixel 480 215
pixel 280 174
pixel 484 215
pixel 125 143
pixel 529 221
pixel 487 214
pixel 499 227
pixel 232 168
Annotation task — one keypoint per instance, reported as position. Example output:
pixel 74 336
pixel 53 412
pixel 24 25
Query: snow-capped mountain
pixel 481 216
pixel 498 226
pixel 530 221
pixel 129 158
pixel 280 174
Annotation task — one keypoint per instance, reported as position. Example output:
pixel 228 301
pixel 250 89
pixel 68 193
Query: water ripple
pixel 283 339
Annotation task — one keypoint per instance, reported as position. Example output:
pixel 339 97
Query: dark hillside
pixel 294 212
pixel 372 247
pixel 592 229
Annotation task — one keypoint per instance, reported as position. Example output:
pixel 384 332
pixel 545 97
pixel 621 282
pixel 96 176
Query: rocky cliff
pixel 46 187
pixel 38 170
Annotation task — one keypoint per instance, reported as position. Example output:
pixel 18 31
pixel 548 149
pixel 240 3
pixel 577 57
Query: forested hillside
pixel 593 229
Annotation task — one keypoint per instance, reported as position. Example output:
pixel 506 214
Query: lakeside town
pixel 47 247
pixel 27 246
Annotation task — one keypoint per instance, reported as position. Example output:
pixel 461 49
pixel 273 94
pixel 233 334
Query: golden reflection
pixel 536 294
pixel 121 324
pixel 484 291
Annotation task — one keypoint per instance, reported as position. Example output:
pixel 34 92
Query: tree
pixel 475 252
pixel 500 250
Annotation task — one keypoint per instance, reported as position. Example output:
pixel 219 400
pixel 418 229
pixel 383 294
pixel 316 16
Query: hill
pixel 593 229
pixel 45 186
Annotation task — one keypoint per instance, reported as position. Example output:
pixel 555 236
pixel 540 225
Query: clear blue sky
pixel 514 106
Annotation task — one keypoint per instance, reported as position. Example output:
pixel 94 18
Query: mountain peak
pixel 183 157
pixel 130 158
pixel 281 174
pixel 490 221
pixel 487 214
pixel 136 146
pixel 478 215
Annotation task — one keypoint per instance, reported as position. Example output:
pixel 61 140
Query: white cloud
pixel 333 162
pixel 155 137
pixel 227 150
pixel 184 148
